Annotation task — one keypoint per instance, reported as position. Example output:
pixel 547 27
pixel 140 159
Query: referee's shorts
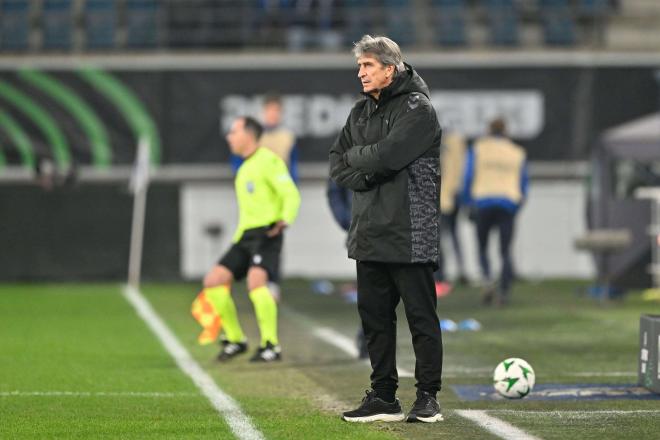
pixel 254 248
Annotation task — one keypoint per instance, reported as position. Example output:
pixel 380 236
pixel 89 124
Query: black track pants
pixel 503 219
pixel 380 286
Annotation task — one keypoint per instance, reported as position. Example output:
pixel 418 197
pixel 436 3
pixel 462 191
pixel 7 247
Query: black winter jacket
pixel 388 154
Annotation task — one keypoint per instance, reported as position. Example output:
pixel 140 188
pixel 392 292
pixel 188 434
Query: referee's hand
pixel 277 229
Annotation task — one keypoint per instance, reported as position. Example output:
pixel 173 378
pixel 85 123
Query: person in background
pixel 277 138
pixel 281 141
pixel 452 164
pixel 495 186
pixel 339 200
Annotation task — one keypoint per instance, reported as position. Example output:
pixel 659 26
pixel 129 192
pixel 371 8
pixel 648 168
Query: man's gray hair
pixel 382 48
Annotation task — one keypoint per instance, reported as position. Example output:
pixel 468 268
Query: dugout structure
pixel 626 157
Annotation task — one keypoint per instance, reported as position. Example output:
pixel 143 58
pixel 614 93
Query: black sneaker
pixel 374 409
pixel 231 349
pixel 425 409
pixel 269 353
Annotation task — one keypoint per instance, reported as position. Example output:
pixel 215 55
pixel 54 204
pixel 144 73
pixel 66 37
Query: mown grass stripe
pixel 130 107
pixel 42 119
pixel 154 394
pixel 20 139
pixel 238 422
pixel 98 137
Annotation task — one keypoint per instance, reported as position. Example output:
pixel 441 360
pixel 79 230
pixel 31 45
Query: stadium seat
pixel 100 23
pixel 229 23
pixel 358 19
pixel 142 23
pixel 398 21
pixel 14 24
pixel 449 22
pixel 503 22
pixel 558 22
pixel 57 24
pixel 593 8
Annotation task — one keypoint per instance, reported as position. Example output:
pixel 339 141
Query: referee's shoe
pixel 375 409
pixel 231 349
pixel 269 353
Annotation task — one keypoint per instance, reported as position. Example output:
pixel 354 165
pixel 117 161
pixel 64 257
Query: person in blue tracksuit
pixel 495 186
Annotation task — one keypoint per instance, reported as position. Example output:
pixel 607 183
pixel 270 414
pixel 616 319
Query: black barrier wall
pixel 83 233
pixel 556 113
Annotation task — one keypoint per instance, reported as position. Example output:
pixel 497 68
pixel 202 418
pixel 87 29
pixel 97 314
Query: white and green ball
pixel 513 378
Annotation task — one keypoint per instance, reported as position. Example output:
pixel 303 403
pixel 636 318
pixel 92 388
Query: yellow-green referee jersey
pixel 265 192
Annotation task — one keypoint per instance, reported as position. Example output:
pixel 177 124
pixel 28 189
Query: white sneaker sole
pixel 435 418
pixel 377 418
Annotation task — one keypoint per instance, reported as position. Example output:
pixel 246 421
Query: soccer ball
pixel 513 378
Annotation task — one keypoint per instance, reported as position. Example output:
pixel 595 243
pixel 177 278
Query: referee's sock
pixel 220 297
pixel 266 310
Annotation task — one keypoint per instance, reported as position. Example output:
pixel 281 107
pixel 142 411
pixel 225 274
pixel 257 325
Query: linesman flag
pixel 204 312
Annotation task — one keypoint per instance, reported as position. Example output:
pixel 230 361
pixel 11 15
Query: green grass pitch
pixel 77 362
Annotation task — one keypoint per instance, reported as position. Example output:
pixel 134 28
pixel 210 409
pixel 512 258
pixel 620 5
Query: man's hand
pixel 277 229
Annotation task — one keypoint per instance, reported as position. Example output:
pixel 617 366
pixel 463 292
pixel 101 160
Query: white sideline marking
pixel 457 371
pixel 576 413
pixel 601 374
pixel 495 426
pixel 332 336
pixel 347 345
pixel 93 394
pixel 228 408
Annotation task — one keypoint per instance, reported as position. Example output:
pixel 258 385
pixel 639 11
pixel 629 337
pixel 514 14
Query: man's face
pixel 238 137
pixel 272 114
pixel 373 75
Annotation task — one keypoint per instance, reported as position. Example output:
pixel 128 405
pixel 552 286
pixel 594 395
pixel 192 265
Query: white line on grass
pixel 238 421
pixel 601 374
pixel 347 345
pixel 457 371
pixel 495 426
pixel 93 394
pixel 333 337
pixel 575 413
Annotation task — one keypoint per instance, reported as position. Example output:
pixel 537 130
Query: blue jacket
pixel 340 201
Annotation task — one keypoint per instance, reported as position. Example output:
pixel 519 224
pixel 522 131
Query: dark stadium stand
pixel 57 24
pixel 450 22
pixel 503 22
pixel 142 23
pixel 300 25
pixel 14 25
pixel 100 22
pixel 558 22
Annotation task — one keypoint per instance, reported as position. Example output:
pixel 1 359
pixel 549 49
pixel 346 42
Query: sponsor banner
pixel 556 113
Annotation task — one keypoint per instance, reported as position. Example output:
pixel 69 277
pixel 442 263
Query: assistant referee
pixel 268 202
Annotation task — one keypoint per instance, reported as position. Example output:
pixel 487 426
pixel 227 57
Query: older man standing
pixel 387 153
